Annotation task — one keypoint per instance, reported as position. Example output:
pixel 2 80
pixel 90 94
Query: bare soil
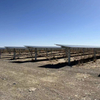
pixel 43 80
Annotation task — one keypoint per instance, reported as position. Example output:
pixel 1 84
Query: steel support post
pixel 94 54
pixel 83 55
pixel 0 54
pixel 66 52
pixel 14 56
pixel 51 53
pixel 46 53
pixel 19 53
pixel 35 54
pixel 68 56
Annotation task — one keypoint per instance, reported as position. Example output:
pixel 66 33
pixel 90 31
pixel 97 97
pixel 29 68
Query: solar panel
pixel 78 46
pixel 15 47
pixel 43 47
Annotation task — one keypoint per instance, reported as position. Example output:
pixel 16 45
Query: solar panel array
pixel 68 51
pixel 79 50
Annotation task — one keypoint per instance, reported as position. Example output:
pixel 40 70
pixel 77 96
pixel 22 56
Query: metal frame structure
pixel 1 50
pixel 80 49
pixel 45 48
pixel 76 52
pixel 14 50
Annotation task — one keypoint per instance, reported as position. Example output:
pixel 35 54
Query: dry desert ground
pixel 47 80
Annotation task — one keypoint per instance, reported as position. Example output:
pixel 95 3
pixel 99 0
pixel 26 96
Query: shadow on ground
pixel 38 60
pixel 60 65
pixel 78 62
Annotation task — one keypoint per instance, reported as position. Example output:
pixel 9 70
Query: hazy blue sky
pixel 47 22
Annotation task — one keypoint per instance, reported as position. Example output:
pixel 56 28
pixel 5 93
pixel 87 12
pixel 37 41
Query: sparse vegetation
pixel 36 81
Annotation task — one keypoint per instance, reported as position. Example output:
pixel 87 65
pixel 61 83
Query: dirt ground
pixel 44 81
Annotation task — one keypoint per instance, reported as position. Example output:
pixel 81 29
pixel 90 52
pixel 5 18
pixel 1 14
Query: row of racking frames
pixel 34 51
pixel 80 52
pixel 70 52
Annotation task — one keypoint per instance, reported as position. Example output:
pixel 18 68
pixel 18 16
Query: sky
pixel 49 22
